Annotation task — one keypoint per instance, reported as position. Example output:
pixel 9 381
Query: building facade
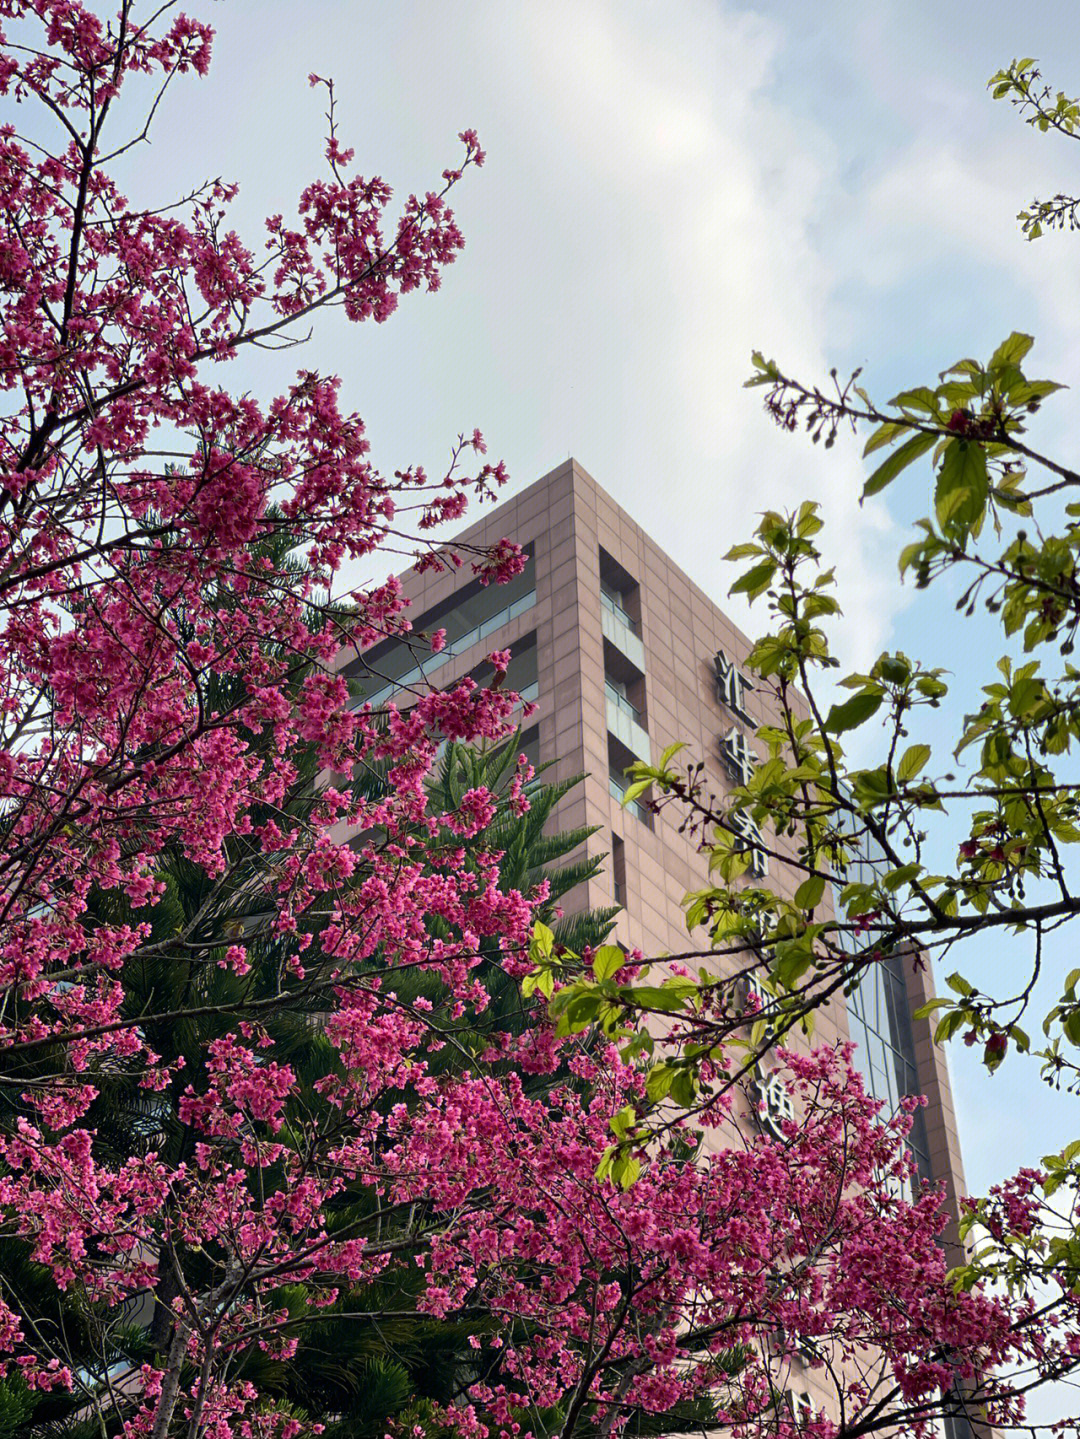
pixel 625 655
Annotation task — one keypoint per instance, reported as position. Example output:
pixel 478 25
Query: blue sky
pixel 670 185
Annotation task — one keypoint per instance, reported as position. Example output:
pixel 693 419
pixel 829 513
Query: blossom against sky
pixel 668 187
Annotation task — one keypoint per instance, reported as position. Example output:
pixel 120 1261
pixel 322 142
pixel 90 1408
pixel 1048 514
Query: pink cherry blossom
pixel 173 693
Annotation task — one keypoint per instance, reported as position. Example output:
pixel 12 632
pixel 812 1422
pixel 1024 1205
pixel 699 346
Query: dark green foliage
pixel 17 1403
pixel 370 1356
pixel 400 1363
pixel 530 852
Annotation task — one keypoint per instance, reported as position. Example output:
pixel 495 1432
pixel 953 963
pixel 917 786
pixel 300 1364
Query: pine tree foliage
pixel 370 1356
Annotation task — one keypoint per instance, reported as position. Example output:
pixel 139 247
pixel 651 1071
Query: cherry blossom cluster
pixel 175 693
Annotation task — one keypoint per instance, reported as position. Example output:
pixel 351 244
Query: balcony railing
pixel 619 700
pixel 624 722
pixel 452 650
pixel 611 603
pixel 620 630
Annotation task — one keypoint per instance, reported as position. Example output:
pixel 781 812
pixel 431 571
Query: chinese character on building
pixel 803 1409
pixel 774 1104
pixel 737 756
pixel 731 684
pixel 762 999
pixel 753 846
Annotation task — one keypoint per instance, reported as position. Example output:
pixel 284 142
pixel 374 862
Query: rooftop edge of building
pixel 590 490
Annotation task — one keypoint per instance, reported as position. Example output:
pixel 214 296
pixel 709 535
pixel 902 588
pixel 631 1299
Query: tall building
pixel 625 655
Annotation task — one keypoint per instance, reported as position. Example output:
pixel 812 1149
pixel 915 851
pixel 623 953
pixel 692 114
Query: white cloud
pixel 667 189
pixel 704 192
pixel 652 210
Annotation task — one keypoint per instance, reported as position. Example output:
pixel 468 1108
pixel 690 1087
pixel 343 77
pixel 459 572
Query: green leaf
pixel 607 960
pixel 626 1170
pixel 962 485
pixel 897 461
pixel 920 398
pixel 790 965
pixel 896 878
pixel 853 712
pixel 755 581
pixel 959 985
pixel 963 367
pixel 872 786
pixel 543 940
pixel 857 898
pixel 540 979
pixel 768 373
pixel 884 435
pixel 619 1123
pixel 1020 1038
pixel 579 1013
pixel 912 761
pixel 894 668
pixel 931 687
pixel 948 1026
pixel 993 1057
pixel 808 522
pixel 809 893
pixel 682 984
pixel 1022 392
pixel 670 752
pixel 654 997
pixel 1012 350
pixel 924 1011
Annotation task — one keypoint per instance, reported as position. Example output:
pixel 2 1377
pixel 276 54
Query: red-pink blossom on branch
pixel 173 710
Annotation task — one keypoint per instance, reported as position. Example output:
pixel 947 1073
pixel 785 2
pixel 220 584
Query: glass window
pixel 454 646
pixel 616 692
pixel 612 600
